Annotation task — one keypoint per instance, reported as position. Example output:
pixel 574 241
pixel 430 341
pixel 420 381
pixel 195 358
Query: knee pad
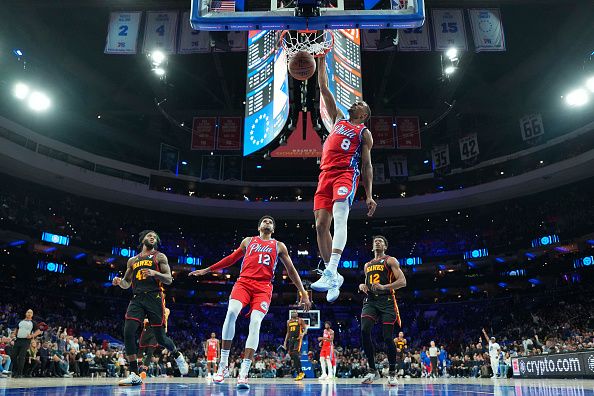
pixel 253 339
pixel 130 336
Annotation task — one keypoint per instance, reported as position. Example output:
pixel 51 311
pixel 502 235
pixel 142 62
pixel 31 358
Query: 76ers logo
pixel 264 306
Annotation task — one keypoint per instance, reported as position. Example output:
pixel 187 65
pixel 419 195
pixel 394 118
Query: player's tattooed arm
pixel 126 281
pixel 164 275
pixel 367 172
pixel 333 111
pixel 283 254
pixel 399 278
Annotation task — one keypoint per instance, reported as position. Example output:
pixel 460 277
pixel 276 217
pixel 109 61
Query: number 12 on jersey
pixel 264 259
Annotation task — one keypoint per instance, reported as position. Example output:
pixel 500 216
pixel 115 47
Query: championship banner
pixel 160 31
pixel 122 33
pixel 531 126
pixel 448 29
pixel 229 133
pixel 440 156
pixel 203 133
pixel 382 130
pixel 416 39
pixel 192 41
pixel 343 64
pixel 408 133
pixel 561 365
pixel 169 158
pixel 487 30
pixel 398 166
pixel 469 147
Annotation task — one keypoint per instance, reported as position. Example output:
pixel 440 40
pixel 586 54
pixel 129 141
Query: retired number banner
pixel 531 126
pixel 160 31
pixel 469 147
pixel 192 41
pixel 441 156
pixel 487 30
pixel 122 33
pixel 416 39
pixel 448 29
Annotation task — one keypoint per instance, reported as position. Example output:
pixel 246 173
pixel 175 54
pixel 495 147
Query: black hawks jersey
pixel 294 328
pixel 378 271
pixel 141 283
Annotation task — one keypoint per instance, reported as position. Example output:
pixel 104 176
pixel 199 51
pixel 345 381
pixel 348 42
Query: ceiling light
pixel 21 91
pixel 578 97
pixel 39 101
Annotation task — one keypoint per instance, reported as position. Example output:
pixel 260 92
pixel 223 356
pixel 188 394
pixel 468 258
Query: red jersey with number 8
pixel 260 260
pixel 342 148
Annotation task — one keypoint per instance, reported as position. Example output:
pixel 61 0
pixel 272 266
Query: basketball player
pixel 254 288
pixel 146 273
pixel 148 342
pixel 494 351
pixel 401 346
pixel 327 344
pixel 349 141
pixel 382 276
pixel 213 351
pixel 296 329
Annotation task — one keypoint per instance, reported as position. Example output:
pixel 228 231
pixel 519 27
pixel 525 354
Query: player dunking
pixel 349 141
pixel 296 329
pixel 382 276
pixel 254 288
pixel 327 344
pixel 213 352
pixel 146 273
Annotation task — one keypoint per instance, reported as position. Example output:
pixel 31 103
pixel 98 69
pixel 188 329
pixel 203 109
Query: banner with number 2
pixel 123 32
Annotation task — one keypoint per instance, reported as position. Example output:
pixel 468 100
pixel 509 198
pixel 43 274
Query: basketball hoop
pixel 316 42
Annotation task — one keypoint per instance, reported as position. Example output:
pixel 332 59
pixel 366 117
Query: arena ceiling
pixel 64 40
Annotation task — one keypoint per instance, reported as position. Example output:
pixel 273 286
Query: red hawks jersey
pixel 259 261
pixel 212 346
pixel 342 148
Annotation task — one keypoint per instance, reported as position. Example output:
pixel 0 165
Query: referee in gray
pixel 24 333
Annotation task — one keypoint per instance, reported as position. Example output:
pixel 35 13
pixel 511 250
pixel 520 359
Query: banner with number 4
pixel 160 31
pixel 123 32
pixel 469 147
pixel 531 126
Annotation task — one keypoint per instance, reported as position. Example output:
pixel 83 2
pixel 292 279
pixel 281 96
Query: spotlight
pixel 590 84
pixel 452 53
pixel 21 91
pixel 159 71
pixel 184 162
pixel 157 57
pixel 17 52
pixel 578 97
pixel 449 70
pixel 266 156
pixel 39 101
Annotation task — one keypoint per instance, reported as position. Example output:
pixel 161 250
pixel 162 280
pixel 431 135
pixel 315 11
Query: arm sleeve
pixel 227 261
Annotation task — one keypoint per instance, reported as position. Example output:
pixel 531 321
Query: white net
pixel 316 42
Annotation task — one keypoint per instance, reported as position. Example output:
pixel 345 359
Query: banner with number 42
pixel 469 147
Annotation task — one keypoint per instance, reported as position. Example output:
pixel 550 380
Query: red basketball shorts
pixel 253 293
pixel 335 185
pixel 326 351
pixel 211 357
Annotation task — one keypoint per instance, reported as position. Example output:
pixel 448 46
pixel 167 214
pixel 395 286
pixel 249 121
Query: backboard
pixel 233 15
pixel 311 318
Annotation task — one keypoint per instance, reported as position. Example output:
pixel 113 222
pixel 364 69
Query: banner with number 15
pixel 160 31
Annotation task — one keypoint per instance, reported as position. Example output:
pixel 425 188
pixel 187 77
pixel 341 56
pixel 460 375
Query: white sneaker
pixel 369 378
pixel 326 282
pixel 182 365
pixel 334 292
pixel 242 383
pixel 323 377
pixel 132 380
pixel 221 374
pixel 392 380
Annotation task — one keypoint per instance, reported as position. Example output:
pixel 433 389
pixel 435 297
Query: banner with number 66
pixel 160 31
pixel 531 126
pixel 469 147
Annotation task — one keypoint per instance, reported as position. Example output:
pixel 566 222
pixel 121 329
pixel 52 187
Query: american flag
pixel 222 6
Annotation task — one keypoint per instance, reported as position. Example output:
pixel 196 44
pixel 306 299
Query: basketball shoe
pixel 132 380
pixel 242 383
pixel 182 364
pixel 221 374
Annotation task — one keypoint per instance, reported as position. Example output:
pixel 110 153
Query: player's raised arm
pixel 367 172
pixel 399 278
pixel 225 262
pixel 283 254
pixel 333 111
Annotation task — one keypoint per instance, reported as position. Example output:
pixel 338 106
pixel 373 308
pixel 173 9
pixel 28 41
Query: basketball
pixel 302 65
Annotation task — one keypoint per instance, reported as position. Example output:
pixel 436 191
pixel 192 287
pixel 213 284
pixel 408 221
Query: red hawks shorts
pixel 335 185
pixel 253 293
pixel 326 351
